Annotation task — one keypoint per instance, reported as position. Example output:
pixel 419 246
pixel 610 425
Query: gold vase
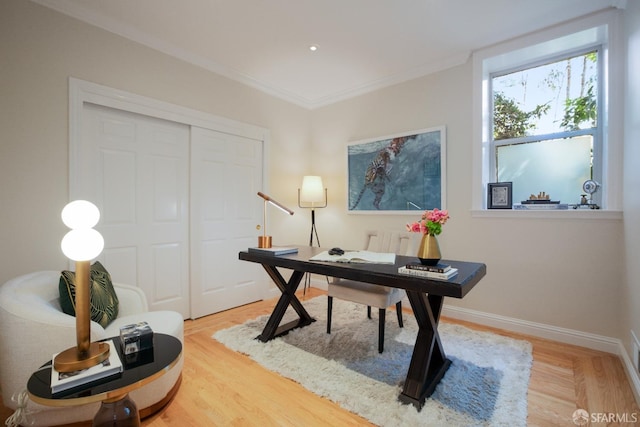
pixel 429 250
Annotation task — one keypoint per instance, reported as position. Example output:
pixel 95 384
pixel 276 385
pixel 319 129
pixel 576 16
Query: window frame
pixel 597 31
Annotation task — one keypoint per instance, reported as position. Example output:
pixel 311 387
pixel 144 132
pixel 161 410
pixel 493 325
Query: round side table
pixel 117 408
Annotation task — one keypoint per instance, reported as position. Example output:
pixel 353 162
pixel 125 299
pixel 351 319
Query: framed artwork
pixel 397 174
pixel 499 195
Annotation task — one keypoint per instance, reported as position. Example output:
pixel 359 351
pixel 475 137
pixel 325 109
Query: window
pixel 547 114
pixel 545 127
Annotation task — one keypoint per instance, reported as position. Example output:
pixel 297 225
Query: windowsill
pixel 599 214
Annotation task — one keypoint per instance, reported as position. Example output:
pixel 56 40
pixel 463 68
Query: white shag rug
pixel 486 384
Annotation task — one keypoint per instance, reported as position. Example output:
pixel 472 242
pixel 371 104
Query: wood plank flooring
pixel 223 388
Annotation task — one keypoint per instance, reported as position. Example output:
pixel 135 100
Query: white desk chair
pixel 369 294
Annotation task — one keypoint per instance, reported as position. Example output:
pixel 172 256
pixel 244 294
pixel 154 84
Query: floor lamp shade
pixel 312 195
pixel 81 244
pixel 312 190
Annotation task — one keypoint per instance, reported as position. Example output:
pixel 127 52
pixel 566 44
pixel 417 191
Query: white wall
pixel 566 273
pixel 630 295
pixel 562 272
pixel 39 50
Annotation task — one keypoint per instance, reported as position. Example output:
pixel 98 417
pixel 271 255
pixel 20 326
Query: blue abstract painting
pixel 399 173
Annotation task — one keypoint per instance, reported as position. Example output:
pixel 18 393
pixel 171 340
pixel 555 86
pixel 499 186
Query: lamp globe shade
pixel 312 190
pixel 80 214
pixel 82 244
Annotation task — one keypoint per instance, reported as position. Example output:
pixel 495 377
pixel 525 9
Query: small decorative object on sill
pixel 430 225
pixel 590 186
pixel 541 199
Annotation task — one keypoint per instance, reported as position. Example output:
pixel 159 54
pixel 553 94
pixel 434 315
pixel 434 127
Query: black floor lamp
pixel 312 195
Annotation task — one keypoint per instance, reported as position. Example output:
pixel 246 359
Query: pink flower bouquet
pixel 431 222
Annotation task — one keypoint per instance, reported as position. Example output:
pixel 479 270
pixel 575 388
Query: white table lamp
pixel 82 244
pixel 265 241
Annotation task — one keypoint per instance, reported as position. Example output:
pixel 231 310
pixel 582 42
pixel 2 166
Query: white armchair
pixel 33 328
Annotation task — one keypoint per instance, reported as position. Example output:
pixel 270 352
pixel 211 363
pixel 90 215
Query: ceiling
pixel 363 45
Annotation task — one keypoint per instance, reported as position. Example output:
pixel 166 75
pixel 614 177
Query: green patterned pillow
pixel 104 301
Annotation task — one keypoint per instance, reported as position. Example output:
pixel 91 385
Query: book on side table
pixel 62 381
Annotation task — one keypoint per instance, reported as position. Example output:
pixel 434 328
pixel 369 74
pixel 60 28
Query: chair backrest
pixel 397 242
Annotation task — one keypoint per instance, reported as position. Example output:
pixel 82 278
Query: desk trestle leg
pixel 288 298
pixel 428 362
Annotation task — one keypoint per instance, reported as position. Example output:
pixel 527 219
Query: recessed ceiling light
pixel 313 47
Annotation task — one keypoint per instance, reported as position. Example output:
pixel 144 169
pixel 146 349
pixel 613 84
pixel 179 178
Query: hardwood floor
pixel 223 388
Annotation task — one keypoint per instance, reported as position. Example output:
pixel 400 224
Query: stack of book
pixel 541 206
pixel 439 271
pixel 276 250
pixel 111 367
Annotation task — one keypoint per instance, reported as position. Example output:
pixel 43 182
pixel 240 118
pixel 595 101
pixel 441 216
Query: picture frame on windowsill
pixel 500 195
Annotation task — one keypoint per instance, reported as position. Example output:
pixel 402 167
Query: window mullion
pixel 536 138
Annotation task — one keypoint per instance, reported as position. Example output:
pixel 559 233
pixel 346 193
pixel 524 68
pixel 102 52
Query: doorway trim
pixel 81 92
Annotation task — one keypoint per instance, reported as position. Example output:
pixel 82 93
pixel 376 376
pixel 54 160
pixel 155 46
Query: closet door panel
pixel 226 174
pixel 135 168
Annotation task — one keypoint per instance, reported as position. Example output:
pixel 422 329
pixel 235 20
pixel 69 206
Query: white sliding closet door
pixel 135 168
pixel 226 174
pixel 176 189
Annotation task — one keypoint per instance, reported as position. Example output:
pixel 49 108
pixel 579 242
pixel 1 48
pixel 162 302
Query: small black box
pixel 136 337
pixel 140 358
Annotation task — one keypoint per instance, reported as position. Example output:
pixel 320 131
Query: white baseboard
pixel 632 373
pixel 541 330
pixel 568 336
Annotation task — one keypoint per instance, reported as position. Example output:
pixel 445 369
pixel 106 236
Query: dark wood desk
pixel 428 362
